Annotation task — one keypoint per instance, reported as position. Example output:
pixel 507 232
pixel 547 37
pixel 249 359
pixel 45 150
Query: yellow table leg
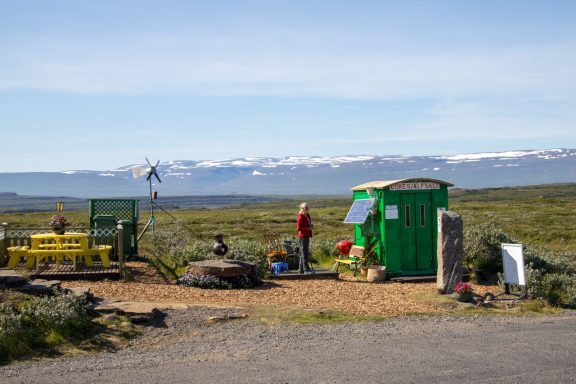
pixel 103 250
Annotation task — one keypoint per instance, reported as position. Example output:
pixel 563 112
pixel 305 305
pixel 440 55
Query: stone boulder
pixel 450 251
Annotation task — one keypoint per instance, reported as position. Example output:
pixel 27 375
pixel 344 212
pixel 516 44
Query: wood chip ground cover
pixel 350 295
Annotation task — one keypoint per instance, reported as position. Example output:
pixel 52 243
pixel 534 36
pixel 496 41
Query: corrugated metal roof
pixel 387 183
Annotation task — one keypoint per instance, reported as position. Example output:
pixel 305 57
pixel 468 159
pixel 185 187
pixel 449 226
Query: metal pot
pixel 219 248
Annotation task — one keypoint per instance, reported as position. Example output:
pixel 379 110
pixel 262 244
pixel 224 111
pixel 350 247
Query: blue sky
pixel 101 84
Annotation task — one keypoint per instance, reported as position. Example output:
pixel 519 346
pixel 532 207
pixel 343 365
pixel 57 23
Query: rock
pixel 216 319
pixel 450 251
pixel 232 271
pixel 10 279
pixel 40 287
pixel 137 312
pixel 218 268
pixel 81 292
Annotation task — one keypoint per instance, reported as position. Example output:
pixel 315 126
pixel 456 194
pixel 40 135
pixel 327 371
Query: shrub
pixel 324 251
pixel 38 320
pixel 247 250
pixel 550 275
pixel 204 281
pixel 172 244
pixel 177 246
pixel 482 247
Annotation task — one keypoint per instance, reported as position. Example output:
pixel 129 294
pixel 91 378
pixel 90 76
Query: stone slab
pixel 39 287
pixel 10 278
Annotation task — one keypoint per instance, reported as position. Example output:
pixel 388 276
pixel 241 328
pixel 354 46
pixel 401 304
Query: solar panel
pixel 359 211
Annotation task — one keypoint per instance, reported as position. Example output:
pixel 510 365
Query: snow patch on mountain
pixel 548 153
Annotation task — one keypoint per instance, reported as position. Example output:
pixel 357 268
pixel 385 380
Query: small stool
pixel 279 267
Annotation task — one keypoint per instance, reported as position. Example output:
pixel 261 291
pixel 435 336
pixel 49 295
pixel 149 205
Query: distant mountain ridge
pixel 302 175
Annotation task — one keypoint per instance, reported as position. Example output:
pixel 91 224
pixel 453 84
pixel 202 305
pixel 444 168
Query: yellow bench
pixel 36 256
pixel 16 253
pixel 73 254
pixel 355 257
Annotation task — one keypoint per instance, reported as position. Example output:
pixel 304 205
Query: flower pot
pixel 463 297
pixel 59 231
pixel 376 273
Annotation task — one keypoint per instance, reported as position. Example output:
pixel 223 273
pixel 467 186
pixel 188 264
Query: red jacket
pixel 304 225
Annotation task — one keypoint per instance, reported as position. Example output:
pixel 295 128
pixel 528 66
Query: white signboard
pixel 415 186
pixel 391 212
pixel 513 261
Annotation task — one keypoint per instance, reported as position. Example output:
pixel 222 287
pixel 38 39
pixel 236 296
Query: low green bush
pixel 323 251
pixel 482 247
pixel 177 245
pixel 41 322
pixel 550 275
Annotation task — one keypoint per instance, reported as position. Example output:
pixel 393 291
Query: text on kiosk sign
pixel 414 186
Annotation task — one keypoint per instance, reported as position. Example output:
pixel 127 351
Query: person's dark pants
pixel 304 254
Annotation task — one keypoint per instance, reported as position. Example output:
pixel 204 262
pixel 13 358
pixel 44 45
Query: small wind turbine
pixel 138 171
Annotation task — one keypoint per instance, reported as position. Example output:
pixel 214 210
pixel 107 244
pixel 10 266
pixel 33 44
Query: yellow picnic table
pixel 56 247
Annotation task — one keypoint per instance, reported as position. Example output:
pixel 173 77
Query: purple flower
pixel 58 222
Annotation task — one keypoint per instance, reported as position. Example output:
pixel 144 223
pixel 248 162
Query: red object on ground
pixel 344 246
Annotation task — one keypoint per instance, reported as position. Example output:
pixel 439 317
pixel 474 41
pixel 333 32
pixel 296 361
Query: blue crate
pixel 279 267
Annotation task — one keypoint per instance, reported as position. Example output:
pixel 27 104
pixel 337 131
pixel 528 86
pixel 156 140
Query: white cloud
pixel 126 64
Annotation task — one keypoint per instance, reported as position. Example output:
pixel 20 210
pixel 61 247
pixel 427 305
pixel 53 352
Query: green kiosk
pixel 401 216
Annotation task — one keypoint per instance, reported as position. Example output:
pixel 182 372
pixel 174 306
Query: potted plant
pixel 463 292
pixel 58 223
pixel 374 271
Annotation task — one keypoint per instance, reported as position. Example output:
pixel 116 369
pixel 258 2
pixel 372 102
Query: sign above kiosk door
pixel 417 186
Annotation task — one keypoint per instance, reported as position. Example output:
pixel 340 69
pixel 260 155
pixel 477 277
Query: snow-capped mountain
pixel 303 174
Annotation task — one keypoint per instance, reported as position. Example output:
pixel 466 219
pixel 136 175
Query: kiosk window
pixel 422 215
pixel 407 215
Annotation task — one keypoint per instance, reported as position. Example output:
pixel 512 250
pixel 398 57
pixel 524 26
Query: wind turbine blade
pixel 158 162
pixel 148 161
pixel 139 171
pixel 158 177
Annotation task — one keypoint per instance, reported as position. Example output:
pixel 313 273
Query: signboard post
pixel 513 262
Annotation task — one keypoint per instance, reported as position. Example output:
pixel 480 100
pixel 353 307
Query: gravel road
pixel 183 347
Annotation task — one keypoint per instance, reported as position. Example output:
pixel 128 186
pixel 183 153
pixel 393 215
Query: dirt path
pixel 350 295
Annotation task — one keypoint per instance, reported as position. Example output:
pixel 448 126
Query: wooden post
pixel 120 249
pixel 4 254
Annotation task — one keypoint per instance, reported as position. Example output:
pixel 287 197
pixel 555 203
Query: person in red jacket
pixel 304 228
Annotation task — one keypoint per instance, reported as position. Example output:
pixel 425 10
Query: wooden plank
pixel 66 272
pixel 319 274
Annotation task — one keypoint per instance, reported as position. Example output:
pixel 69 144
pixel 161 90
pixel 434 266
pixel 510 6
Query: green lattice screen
pixel 122 209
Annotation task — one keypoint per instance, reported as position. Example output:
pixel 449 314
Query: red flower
pixel 463 288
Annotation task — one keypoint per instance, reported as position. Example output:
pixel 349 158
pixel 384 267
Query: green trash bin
pixel 126 237
pixel 104 221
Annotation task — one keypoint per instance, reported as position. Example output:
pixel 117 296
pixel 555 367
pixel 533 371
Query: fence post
pixel 4 254
pixel 120 249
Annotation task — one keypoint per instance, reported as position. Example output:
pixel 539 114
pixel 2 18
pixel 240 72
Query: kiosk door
pixel 416 222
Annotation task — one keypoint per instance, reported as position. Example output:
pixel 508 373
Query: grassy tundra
pixel 537 215
pixel 541 217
